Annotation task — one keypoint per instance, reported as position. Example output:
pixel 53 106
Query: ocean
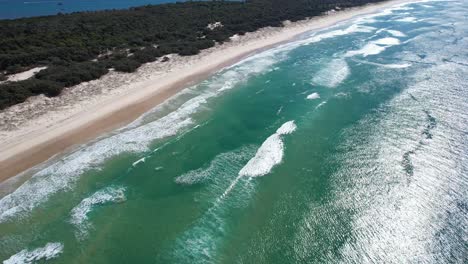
pixel 10 9
pixel 347 145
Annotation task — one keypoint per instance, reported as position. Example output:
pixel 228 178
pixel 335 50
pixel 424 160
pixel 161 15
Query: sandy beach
pixel 34 131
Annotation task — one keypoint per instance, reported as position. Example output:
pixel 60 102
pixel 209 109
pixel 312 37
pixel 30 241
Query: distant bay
pixel 10 9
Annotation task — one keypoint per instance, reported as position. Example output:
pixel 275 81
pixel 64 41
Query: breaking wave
pixel 49 251
pixel 396 33
pixel 222 164
pixel 390 65
pixel 407 19
pixel 387 41
pixel 200 243
pixel 79 214
pixel 333 74
pixel 374 47
pixel 313 96
pixel 61 174
pixel 269 154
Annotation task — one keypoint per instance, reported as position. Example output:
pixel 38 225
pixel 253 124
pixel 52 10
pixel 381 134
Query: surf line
pixel 267 157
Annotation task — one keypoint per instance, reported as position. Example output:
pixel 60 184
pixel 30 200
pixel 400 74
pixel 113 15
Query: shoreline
pixel 54 131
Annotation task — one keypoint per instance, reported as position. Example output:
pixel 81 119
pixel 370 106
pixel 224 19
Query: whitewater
pixel 346 145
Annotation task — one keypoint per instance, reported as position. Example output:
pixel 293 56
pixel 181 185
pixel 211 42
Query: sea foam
pixel 387 41
pixel 313 96
pixel 333 74
pixel 59 175
pixel 374 47
pixel 396 33
pixel 390 65
pixel 49 251
pixel 407 19
pixel 317 37
pixel 79 214
pixel 227 163
pixel 269 154
pixel 368 49
pixel 321 104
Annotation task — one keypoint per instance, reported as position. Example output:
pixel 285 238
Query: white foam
pixel 228 84
pixel 269 154
pixel 195 176
pixel 374 47
pixel 223 164
pixel 385 12
pixel 368 49
pixel 387 41
pixel 407 19
pixel 321 104
pixel 396 33
pixel 395 66
pixel 59 175
pixel 268 56
pixel 355 28
pixel 342 95
pixel 313 96
pixel 79 214
pixel 333 74
pixel 142 160
pixel 287 128
pixel 49 251
pixel 390 66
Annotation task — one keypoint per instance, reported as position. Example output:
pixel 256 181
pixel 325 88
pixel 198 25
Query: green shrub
pixel 126 65
pixel 12 93
pixel 73 74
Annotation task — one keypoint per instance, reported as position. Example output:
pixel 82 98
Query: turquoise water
pixel 10 9
pixel 348 145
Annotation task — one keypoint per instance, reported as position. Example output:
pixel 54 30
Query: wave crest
pixel 333 74
pixel 79 214
pixel 49 251
pixel 269 154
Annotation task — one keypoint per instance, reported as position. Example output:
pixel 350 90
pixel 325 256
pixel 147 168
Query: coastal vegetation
pixel 83 46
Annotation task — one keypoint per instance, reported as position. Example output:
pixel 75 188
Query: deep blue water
pixel 10 9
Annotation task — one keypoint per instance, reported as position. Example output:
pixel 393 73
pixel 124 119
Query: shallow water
pixel 348 145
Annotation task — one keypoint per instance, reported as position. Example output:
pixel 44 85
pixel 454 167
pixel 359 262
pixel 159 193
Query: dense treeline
pixel 82 46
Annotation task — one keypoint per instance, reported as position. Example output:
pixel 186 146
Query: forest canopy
pixel 83 46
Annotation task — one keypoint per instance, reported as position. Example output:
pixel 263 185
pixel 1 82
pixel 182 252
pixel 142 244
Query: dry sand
pixel 34 131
